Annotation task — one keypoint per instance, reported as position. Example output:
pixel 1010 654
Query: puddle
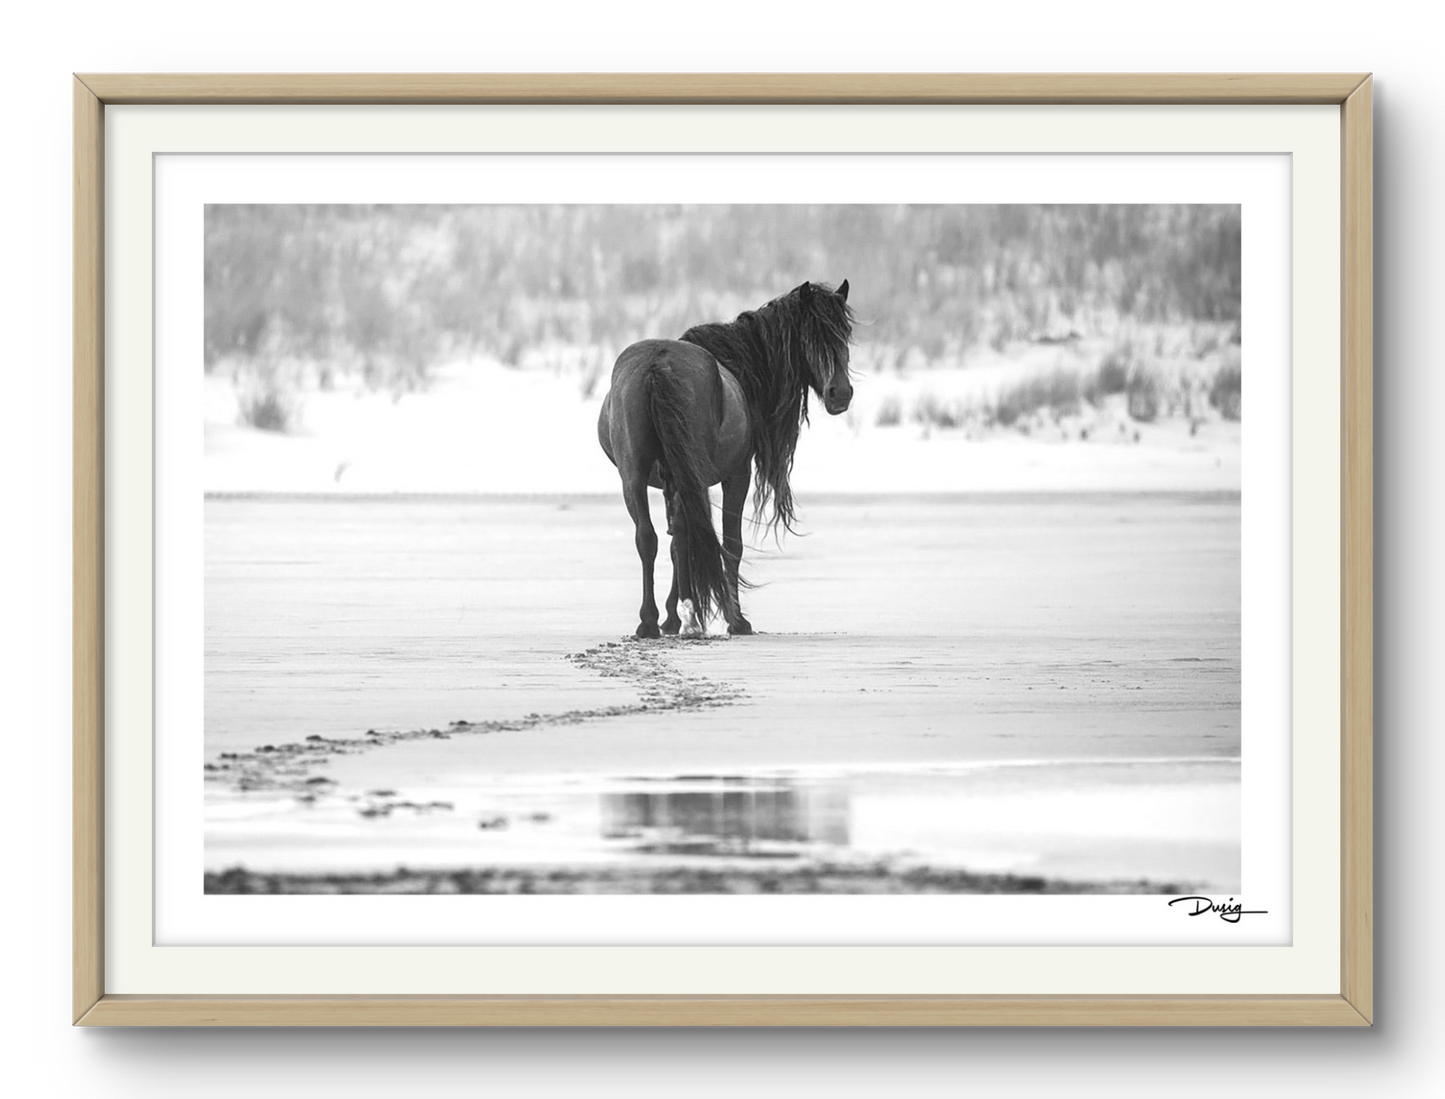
pixel 733 816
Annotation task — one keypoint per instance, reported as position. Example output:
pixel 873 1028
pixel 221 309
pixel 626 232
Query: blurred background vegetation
pixel 301 296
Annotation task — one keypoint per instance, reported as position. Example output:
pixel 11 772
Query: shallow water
pixel 1170 823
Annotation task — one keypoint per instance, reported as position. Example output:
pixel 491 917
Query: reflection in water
pixel 727 816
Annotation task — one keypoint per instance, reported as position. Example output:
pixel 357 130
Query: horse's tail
pixel 695 537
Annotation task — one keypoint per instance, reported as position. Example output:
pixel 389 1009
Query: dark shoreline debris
pixel 881 877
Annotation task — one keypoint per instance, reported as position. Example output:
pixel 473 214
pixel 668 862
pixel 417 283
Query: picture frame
pixel 94 1005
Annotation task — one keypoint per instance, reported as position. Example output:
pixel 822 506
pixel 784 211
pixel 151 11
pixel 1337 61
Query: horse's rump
pixel 692 390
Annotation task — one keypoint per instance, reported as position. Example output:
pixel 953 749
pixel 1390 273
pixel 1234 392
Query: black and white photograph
pixel 722 549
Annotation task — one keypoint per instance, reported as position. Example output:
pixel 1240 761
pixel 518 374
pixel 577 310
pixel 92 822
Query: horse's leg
pixel 672 623
pixel 735 495
pixel 634 492
pixel 682 577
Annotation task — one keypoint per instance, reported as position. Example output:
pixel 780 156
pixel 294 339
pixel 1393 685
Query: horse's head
pixel 827 326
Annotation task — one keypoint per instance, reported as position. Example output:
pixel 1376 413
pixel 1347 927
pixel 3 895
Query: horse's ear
pixel 805 292
pixel 843 290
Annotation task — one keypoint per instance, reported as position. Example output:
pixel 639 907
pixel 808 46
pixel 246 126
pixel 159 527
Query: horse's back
pixel 688 368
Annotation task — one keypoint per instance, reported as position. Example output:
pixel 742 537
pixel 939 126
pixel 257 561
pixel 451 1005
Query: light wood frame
pixel 1352 1006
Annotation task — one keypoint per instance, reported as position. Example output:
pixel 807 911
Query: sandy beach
pixel 414 694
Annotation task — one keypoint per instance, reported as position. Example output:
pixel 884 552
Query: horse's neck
pixel 765 373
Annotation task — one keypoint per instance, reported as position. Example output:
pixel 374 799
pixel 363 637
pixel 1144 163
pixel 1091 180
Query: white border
pixel 1260 185
pixel 1308 134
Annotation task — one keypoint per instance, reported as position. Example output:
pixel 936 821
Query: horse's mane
pixel 770 351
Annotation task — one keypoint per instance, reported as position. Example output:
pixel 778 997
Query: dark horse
pixel 686 414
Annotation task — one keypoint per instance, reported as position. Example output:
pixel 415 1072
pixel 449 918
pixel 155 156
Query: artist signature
pixel 1229 911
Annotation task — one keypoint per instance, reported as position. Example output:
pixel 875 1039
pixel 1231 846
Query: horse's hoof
pixel 672 625
pixel 741 627
pixel 647 630
pixel 692 625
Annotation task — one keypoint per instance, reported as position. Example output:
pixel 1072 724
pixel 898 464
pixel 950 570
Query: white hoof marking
pixel 691 627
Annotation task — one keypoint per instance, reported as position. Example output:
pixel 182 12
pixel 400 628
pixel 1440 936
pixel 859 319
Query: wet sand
pixel 987 690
